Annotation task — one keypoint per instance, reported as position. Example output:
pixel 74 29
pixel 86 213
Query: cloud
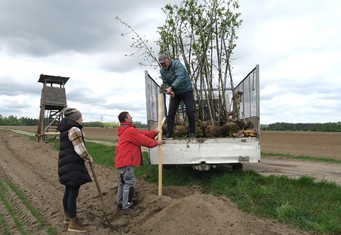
pixel 296 44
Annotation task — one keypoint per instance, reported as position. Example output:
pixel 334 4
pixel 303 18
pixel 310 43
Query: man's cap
pixel 163 58
pixel 72 113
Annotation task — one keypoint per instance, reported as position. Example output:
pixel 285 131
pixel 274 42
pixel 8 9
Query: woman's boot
pixel 75 226
pixel 66 218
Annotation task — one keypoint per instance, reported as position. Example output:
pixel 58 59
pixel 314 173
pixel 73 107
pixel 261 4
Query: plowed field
pixel 32 168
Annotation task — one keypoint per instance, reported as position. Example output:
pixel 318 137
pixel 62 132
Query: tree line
pixel 284 126
pixel 14 121
pixel 24 121
pixel 278 126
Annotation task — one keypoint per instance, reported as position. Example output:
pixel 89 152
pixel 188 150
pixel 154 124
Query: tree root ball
pixel 203 125
pixel 231 128
pixel 241 124
pixel 215 131
pixel 180 131
pixel 208 131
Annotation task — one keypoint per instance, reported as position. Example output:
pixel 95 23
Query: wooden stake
pixel 160 138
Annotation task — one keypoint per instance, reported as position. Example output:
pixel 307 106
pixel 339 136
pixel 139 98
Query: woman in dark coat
pixel 71 165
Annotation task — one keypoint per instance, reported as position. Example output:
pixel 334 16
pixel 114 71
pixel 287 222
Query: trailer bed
pixel 207 152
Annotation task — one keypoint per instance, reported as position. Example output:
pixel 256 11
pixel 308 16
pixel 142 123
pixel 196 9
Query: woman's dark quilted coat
pixel 71 167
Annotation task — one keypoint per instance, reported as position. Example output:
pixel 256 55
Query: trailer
pixel 206 153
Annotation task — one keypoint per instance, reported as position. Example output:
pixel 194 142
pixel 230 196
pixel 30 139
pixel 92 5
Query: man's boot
pixel 131 195
pixel 66 218
pixel 130 203
pixel 75 226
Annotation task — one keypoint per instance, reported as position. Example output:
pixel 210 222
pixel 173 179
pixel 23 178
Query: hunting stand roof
pixel 53 79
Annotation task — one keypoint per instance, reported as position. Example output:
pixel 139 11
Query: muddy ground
pixel 32 167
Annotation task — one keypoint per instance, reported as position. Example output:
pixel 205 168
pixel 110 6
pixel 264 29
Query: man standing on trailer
pixel 179 86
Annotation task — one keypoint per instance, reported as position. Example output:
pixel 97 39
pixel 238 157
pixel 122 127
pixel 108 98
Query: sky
pixel 296 44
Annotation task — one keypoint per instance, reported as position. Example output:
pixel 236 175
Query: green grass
pixel 101 154
pixel 307 158
pixel 307 204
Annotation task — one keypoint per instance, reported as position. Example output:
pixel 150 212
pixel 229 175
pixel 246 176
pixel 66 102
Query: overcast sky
pixel 296 44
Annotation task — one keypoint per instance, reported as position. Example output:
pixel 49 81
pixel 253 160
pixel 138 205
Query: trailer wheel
pixel 237 166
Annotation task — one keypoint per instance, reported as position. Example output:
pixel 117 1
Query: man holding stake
pixel 128 155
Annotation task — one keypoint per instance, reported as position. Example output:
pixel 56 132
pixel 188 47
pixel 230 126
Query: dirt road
pixel 295 169
pixel 313 144
pixel 32 167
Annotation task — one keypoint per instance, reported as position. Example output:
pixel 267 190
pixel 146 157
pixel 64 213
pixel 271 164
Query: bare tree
pixel 202 34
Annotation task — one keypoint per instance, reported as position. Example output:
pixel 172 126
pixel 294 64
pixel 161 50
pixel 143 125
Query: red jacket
pixel 128 149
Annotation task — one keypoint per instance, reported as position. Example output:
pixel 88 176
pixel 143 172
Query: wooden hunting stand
pixel 52 105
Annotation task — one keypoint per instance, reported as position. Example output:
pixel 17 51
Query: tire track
pixel 18 216
pixel 38 184
pixel 7 221
pixel 24 220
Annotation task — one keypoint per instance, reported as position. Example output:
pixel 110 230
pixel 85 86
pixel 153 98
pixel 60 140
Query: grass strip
pixel 4 225
pixel 10 209
pixel 41 221
pixel 302 157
